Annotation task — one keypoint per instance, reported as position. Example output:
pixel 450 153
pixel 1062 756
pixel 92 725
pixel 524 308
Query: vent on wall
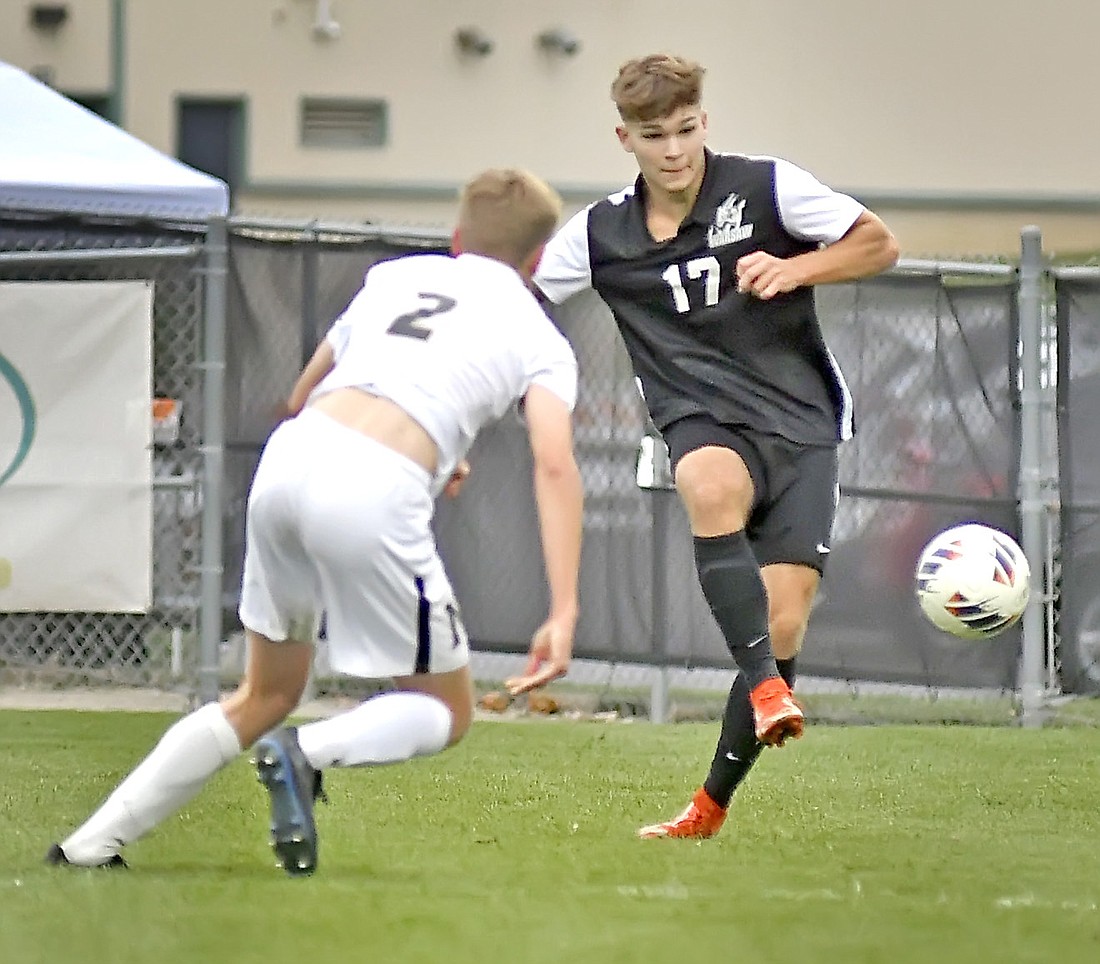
pixel 343 122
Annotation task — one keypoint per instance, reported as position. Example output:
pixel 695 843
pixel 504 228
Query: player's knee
pixel 706 489
pixel 711 500
pixel 714 480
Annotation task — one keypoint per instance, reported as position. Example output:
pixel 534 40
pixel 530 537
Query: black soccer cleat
pixel 293 785
pixel 55 857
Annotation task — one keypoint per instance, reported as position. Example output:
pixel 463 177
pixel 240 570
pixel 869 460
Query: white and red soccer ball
pixel 973 581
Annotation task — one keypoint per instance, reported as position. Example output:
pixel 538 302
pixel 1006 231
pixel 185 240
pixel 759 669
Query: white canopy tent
pixel 56 156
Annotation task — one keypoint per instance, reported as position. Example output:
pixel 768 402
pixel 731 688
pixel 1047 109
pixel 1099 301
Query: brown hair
pixel 507 214
pixel 652 87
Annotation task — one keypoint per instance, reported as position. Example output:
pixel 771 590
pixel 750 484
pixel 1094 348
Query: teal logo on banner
pixel 9 374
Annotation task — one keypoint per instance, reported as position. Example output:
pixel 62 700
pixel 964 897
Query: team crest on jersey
pixel 728 227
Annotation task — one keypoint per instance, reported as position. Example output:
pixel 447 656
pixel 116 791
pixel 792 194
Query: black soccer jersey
pixel 696 343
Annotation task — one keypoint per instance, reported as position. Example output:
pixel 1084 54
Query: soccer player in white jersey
pixel 708 263
pixel 430 350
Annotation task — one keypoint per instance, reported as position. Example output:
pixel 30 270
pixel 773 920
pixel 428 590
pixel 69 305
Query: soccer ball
pixel 972 581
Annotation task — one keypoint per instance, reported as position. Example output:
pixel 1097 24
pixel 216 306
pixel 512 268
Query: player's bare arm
pixel 559 495
pixel 316 368
pixel 866 249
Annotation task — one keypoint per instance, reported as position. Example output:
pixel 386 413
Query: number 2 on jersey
pixel 707 268
pixel 411 325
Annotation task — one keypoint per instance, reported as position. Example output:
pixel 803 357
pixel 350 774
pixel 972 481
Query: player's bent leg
pixel 791 589
pixel 186 757
pixel 191 752
pixel 274 679
pixel 454 689
pixel 416 720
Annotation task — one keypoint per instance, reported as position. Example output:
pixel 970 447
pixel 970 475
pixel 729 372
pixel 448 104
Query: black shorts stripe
pixel 423 629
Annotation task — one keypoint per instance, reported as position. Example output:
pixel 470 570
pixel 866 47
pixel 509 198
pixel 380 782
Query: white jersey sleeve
pixel 808 209
pixel 338 335
pixel 553 366
pixel 565 269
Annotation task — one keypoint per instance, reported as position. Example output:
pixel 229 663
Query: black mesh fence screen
pixel 1078 306
pixel 932 366
pixel 931 363
pixel 284 292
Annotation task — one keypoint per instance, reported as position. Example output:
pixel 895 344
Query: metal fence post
pixel 311 258
pixel 213 457
pixel 1032 509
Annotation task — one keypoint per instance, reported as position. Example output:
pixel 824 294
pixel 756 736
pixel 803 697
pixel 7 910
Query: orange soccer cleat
pixel 701 818
pixel 777 714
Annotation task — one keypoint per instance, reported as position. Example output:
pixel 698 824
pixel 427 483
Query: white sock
pixel 386 729
pixel 189 754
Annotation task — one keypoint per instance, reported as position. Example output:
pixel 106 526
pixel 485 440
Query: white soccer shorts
pixel 340 524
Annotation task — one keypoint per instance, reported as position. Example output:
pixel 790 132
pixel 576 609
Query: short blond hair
pixel 507 214
pixel 648 88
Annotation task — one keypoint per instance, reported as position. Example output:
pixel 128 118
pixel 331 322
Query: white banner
pixel 75 439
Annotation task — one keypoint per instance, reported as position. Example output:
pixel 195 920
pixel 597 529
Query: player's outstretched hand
pixel 548 659
pixel 458 478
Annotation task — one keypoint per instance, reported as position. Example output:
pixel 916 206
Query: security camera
pixel 559 40
pixel 471 40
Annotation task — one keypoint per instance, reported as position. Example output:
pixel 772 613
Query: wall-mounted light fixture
pixel 473 40
pixel 559 40
pixel 48 16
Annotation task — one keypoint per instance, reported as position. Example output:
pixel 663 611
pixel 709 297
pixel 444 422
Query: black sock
pixel 737 747
pixel 731 583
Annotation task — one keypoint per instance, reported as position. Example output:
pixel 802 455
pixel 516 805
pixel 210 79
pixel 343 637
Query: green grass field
pixel 858 844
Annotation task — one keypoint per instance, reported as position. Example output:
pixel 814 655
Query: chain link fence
pixel 930 356
pixel 931 363
pixel 157 648
pixel 930 351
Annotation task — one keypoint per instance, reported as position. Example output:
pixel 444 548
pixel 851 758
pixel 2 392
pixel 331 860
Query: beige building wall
pixel 958 121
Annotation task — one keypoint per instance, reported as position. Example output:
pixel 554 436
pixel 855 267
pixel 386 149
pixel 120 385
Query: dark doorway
pixel 210 137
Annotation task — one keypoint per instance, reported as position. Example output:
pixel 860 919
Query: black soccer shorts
pixel 796 487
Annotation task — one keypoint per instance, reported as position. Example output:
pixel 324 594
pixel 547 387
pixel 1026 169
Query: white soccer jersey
pixel 453 340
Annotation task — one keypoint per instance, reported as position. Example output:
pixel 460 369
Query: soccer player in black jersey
pixel 708 263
